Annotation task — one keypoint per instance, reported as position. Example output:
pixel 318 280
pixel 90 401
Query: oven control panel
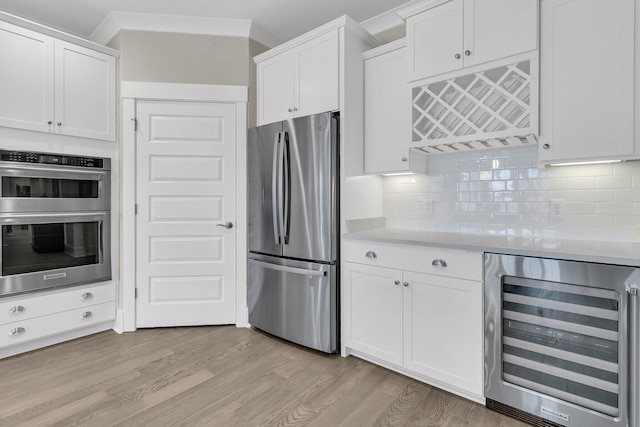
pixel 52 159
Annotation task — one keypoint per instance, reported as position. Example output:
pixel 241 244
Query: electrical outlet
pixel 428 206
pixel 556 208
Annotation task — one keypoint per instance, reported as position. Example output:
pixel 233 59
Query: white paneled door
pixel 186 190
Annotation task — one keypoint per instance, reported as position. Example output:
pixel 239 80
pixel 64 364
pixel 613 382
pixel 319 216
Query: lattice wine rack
pixel 486 109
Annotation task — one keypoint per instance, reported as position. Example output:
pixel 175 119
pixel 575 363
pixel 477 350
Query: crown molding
pixel 118 21
pixel 387 20
pixel 25 23
pixel 414 8
pixel 342 22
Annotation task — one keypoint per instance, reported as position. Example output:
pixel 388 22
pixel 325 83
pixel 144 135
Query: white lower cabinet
pixel 443 330
pixel 374 319
pixel 25 319
pixel 422 318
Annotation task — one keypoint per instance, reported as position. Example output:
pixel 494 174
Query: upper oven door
pixel 29 188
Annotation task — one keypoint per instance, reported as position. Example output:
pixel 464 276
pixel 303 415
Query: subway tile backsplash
pixel 504 193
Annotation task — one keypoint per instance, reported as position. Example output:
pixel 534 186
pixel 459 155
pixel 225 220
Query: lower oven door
pixel 557 339
pixel 42 251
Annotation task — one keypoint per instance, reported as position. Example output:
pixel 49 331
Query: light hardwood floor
pixel 216 376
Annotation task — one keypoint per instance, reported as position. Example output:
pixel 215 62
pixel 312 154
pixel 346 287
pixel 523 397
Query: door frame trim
pixel 130 93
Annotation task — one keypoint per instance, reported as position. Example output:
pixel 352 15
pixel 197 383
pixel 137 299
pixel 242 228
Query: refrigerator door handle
pixel 295 270
pixel 286 188
pixel 275 190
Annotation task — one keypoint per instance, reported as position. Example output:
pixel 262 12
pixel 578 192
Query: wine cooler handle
pixel 634 355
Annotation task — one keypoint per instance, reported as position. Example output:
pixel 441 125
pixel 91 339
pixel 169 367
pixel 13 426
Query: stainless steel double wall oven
pixel 55 221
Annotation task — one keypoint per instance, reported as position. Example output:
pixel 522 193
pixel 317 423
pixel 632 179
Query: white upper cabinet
pixel 26 78
pixel 387 109
pixel 85 87
pixel 301 81
pixel 51 85
pixel 587 80
pixel 463 33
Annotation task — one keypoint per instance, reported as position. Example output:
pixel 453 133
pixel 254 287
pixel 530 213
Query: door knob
pixel 226 225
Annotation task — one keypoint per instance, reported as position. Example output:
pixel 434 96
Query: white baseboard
pixel 118 325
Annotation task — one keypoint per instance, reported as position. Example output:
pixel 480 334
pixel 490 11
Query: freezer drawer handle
pixel 286 269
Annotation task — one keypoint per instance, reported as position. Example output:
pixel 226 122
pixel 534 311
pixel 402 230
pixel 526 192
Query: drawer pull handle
pixel 439 263
pixel 17 309
pixel 86 314
pixel 86 296
pixel 17 331
pixel 371 255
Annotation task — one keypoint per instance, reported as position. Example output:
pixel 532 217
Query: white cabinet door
pixel 85 87
pixel 463 33
pixel 373 318
pixel 495 29
pixel 301 81
pixel 586 80
pixel 317 75
pixel 434 40
pixel 387 113
pixel 276 94
pixel 443 333
pixel 26 79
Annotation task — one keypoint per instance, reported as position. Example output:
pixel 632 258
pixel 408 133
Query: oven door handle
pixel 39 218
pixel 18 169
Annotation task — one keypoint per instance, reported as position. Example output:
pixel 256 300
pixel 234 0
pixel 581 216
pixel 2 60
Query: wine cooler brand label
pixel 55 276
pixel 553 413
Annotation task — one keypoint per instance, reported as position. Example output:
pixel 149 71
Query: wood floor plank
pixel 217 376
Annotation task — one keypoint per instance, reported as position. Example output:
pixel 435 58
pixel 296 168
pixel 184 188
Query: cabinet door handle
pixel 371 255
pixel 439 263
pixel 290 110
pixel 86 314
pixel 295 109
pixel 467 52
pixel 397 282
pixel 50 122
pixel 457 56
pixel 404 159
pixel 86 296
pixel 17 309
pixel 59 123
pixel 17 331
pixel 405 284
pixel 546 146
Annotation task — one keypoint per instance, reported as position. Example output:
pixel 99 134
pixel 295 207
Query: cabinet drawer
pixel 30 306
pixel 30 329
pixel 437 261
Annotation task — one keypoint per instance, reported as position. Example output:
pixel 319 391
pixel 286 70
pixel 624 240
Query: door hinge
pixel 135 208
pixel 135 124
pixel 135 293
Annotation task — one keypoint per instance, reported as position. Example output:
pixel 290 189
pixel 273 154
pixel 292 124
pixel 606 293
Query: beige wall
pixel 149 56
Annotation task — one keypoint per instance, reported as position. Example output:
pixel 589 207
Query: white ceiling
pixel 285 19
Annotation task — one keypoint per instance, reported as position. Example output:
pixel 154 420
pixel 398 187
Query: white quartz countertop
pixel 578 250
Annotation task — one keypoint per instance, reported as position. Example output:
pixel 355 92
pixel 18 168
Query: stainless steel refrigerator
pixel 293 230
